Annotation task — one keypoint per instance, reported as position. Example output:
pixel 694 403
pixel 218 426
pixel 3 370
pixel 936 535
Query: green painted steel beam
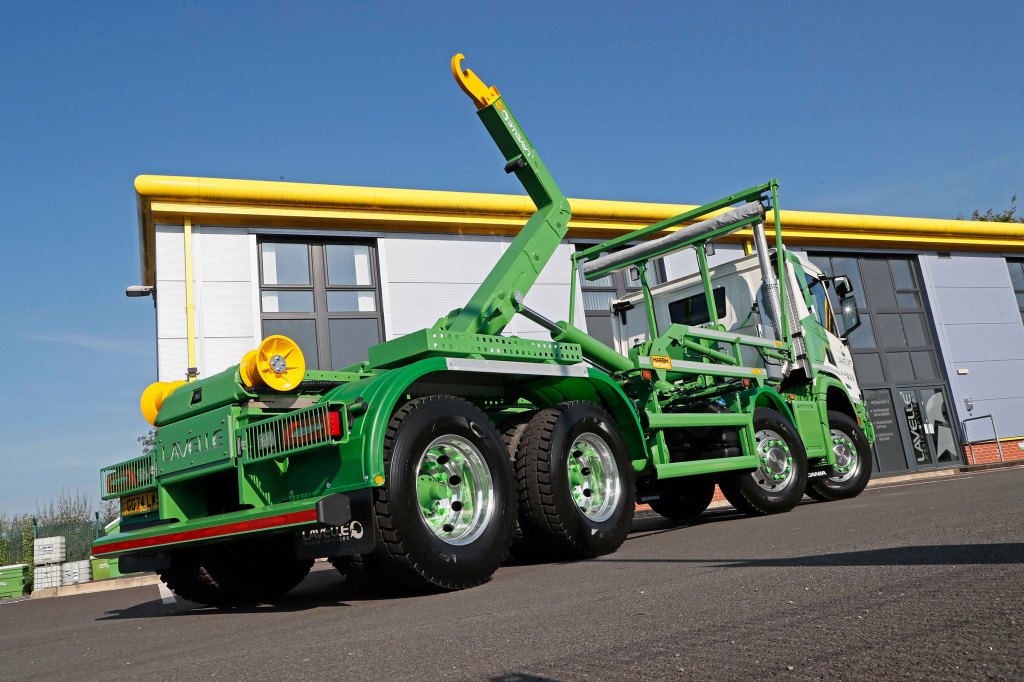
pixel 491 308
pixel 671 420
pixel 706 466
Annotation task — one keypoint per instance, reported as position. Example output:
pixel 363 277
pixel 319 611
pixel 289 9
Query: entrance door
pixel 932 438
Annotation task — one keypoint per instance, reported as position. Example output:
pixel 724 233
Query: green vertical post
pixel 652 318
pixel 705 278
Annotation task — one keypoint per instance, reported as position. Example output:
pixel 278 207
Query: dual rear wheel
pixel 558 481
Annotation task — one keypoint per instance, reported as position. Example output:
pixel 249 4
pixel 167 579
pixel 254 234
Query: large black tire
pixel 854 460
pixel 685 499
pixel 523 547
pixel 548 512
pixel 408 551
pixel 235 573
pixel 758 493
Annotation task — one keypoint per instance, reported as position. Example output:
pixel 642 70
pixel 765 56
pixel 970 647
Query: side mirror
pixel 849 314
pixel 842 285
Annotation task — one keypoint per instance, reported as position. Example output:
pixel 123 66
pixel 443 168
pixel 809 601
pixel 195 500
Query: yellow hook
pixel 471 84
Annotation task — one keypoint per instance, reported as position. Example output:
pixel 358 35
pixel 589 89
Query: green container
pixel 105 568
pixel 13 580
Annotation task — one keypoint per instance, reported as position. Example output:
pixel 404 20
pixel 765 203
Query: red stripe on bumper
pixel 265 523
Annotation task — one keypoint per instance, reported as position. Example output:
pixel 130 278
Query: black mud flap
pixel 338 535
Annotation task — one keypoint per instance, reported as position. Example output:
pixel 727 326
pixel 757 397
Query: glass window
pixel 925 367
pixel 908 299
pixel 350 338
pixel 890 330
pixel 1016 273
pixel 1016 267
pixel 900 367
pixel 878 283
pixel 302 332
pixel 868 368
pixel 285 301
pixel 913 328
pixel 351 301
pixel 902 273
pixel 348 265
pixel 693 310
pixel 285 263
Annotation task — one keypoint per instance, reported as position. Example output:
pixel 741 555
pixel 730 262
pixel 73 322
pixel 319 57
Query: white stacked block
pixel 75 572
pixel 49 551
pixel 47 577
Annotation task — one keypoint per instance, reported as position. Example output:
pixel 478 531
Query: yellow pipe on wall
pixel 257 202
pixel 190 303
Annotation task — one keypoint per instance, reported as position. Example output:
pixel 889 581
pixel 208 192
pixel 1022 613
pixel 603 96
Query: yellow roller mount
pixel 247 369
pixel 154 396
pixel 279 364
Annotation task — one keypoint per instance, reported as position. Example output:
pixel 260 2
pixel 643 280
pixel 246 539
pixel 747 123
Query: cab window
pixel 821 304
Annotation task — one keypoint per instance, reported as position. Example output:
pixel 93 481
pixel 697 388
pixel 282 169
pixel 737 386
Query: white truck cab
pixel 737 287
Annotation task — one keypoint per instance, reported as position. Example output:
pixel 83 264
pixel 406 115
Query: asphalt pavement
pixel 912 581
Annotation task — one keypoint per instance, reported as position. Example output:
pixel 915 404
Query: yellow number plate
pixel 140 503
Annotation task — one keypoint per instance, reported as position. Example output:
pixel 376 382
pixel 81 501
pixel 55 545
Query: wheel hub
pixel 454 490
pixel 847 459
pixel 593 476
pixel 776 470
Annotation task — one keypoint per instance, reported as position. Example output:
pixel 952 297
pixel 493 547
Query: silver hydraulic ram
pixel 771 287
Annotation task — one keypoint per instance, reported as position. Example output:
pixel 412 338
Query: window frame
pixel 316 250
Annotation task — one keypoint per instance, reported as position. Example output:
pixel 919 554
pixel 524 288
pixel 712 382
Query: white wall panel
pixel 415 305
pixel 227 309
pixel 170 309
pixel 170 252
pixel 466 259
pixel 172 359
pixel 224 254
pixel 219 354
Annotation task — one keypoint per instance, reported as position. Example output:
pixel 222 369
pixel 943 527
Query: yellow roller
pixel 280 363
pixel 247 369
pixel 153 398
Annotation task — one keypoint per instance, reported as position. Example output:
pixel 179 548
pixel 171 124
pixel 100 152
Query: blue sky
pixel 869 107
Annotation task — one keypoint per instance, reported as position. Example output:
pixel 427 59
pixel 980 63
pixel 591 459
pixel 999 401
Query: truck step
pixel 706 466
pixel 674 420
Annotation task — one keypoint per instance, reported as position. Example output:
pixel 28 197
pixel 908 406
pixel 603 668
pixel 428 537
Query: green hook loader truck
pixel 421 464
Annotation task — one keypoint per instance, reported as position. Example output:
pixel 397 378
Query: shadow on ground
pixel 922 555
pixel 321 589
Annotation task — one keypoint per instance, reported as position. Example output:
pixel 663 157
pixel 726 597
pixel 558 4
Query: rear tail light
pixel 334 424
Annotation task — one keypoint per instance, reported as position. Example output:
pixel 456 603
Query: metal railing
pixel 970 444
pixel 125 477
pixel 292 432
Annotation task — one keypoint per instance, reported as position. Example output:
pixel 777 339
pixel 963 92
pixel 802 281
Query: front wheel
pixel 575 481
pixel 444 515
pixel 853 462
pixel 777 485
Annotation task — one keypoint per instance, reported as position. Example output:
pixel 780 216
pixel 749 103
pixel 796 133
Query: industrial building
pixel 939 353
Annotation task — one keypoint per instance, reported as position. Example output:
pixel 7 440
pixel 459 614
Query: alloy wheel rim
pixel 847 458
pixel 594 481
pixel 454 489
pixel 775 471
